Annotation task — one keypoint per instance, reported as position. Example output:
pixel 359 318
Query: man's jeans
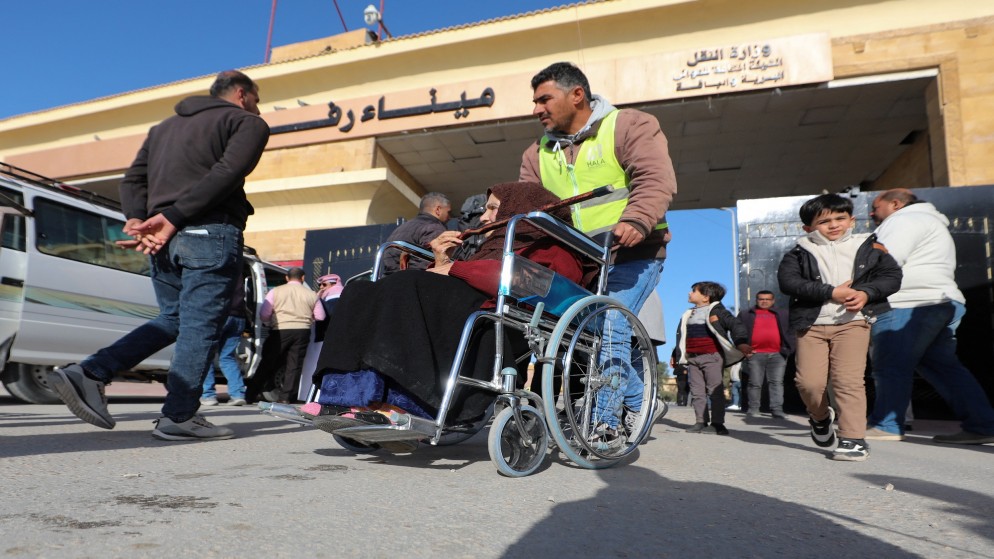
pixel 771 367
pixel 193 277
pixel 231 336
pixel 924 338
pixel 630 283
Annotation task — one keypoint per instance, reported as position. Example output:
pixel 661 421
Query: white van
pixel 66 290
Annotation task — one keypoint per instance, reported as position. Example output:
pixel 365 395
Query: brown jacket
pixel 642 149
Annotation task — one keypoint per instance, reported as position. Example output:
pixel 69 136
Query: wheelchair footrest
pixel 412 429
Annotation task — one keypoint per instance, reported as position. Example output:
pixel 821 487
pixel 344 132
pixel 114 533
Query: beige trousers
pixel 836 355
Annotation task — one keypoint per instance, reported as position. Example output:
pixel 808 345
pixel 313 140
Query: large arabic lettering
pixel 739 66
pixel 460 109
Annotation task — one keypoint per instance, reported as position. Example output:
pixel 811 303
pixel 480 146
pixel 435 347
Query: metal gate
pixel 345 251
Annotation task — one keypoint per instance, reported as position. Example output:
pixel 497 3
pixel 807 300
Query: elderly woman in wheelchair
pixel 423 355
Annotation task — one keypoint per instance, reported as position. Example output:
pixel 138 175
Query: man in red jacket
pixel 772 343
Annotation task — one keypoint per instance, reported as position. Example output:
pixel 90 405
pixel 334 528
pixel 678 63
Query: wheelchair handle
pixel 549 208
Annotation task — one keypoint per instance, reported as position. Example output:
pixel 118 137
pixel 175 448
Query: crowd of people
pixel 890 295
pixel 894 288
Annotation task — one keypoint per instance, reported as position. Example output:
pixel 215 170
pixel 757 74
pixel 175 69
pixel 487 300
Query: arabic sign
pixel 460 109
pixel 745 66
pixel 709 70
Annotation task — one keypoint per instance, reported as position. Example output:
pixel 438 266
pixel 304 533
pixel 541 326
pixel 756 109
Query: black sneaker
pixel 823 432
pixel 719 429
pixel 84 396
pixel 851 450
pixel 697 428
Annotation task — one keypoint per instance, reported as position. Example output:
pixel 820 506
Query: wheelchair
pixel 580 343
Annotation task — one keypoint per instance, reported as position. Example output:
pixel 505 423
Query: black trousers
pixel 682 386
pixel 282 359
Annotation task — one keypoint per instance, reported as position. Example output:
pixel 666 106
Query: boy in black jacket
pixel 702 346
pixel 838 282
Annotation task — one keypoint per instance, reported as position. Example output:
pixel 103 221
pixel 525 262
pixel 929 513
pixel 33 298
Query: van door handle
pixel 12 281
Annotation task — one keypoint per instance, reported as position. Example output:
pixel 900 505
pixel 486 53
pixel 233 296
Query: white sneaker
pixel 851 450
pixel 630 418
pixel 734 407
pixel 208 402
pixel 197 428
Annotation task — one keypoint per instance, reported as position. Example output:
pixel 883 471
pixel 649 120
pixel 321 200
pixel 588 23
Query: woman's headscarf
pixel 518 198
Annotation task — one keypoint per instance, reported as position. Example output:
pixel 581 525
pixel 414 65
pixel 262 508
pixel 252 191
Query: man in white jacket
pixel 920 331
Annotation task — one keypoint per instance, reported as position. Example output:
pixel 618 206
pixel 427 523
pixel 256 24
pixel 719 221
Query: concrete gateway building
pixel 758 99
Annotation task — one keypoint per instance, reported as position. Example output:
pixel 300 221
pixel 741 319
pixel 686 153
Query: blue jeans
pixel 231 334
pixel 735 389
pixel 924 338
pixel 630 283
pixel 193 277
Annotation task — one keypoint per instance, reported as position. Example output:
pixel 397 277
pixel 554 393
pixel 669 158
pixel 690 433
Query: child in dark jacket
pixel 702 346
pixel 838 282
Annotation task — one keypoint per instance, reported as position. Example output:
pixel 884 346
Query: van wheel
pixel 29 383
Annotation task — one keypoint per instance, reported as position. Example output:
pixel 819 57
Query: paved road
pixel 278 490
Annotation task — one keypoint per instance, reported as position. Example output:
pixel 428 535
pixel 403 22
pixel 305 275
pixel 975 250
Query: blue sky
pixel 701 250
pixel 58 52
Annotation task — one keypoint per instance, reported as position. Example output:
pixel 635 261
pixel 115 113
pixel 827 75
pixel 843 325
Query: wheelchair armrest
pixel 568 235
pixel 362 276
pixel 413 250
pixel 532 283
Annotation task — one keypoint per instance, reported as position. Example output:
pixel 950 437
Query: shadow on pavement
pixel 642 514
pixel 976 508
pixel 90 438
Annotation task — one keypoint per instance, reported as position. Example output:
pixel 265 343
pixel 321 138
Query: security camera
pixel 371 15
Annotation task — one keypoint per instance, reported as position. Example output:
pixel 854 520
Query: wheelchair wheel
pixel 512 457
pixel 355 446
pixel 585 351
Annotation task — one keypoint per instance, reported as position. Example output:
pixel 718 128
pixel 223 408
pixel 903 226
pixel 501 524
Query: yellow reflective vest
pixel 595 165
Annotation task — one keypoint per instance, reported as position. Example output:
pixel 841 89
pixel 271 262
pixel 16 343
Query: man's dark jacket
pixel 748 319
pixel 419 232
pixel 192 166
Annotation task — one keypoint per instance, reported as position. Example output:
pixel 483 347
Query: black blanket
pixel 407 327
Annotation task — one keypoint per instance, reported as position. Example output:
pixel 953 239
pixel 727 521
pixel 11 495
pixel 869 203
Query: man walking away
pixel 290 309
pixel 185 204
pixel 921 330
